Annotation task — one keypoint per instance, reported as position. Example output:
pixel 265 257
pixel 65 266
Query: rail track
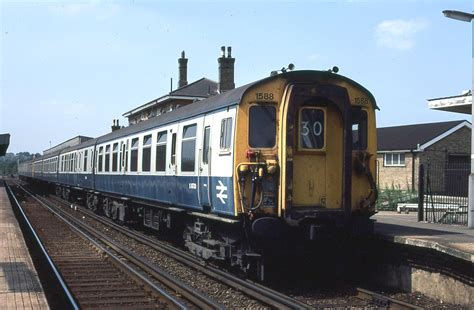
pixel 264 295
pixel 104 275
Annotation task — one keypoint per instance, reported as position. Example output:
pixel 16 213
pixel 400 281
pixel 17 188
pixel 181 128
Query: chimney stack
pixel 226 70
pixel 183 70
pixel 116 125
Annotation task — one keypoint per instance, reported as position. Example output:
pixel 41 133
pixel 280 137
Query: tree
pixel 9 163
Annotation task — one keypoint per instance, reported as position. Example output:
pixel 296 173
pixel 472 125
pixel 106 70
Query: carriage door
pixel 317 161
pixel 171 170
pixel 205 164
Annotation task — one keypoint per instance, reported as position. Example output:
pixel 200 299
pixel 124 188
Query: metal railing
pixel 443 193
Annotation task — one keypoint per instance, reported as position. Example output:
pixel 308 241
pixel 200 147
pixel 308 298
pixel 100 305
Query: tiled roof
pixel 200 88
pixel 409 137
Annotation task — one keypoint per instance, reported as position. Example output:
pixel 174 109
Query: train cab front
pixel 307 158
pixel 328 159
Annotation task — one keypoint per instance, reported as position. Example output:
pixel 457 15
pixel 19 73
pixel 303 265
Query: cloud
pixel 398 34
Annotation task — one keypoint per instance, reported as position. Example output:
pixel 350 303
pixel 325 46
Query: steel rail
pixel 70 301
pixel 384 301
pixel 197 298
pixel 257 291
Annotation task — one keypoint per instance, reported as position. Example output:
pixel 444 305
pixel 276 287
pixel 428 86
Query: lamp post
pixel 467 17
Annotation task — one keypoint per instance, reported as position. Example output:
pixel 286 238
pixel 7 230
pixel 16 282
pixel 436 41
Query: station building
pixel 401 150
pixel 187 93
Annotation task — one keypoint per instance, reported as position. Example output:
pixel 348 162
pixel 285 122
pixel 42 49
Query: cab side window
pixel 359 129
pixel 262 126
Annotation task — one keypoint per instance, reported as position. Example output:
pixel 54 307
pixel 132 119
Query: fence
pixel 443 193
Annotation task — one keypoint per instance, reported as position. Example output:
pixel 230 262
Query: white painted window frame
pixel 399 164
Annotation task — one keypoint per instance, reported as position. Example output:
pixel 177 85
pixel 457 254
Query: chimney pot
pixel 115 125
pixel 183 70
pixel 226 71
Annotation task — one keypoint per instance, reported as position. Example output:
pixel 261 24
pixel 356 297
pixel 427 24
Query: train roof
pixel 229 98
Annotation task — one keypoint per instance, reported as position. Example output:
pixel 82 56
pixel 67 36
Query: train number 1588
pixel 362 100
pixel 264 96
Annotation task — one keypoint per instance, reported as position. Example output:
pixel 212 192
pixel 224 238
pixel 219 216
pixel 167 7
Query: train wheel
pixel 58 190
pixel 107 206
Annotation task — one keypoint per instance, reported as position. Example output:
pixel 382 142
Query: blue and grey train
pixel 292 152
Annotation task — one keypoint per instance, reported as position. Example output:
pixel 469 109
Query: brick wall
pixel 395 177
pixel 458 143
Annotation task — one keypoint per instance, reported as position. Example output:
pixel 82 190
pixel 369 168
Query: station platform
pixel 20 287
pixel 455 240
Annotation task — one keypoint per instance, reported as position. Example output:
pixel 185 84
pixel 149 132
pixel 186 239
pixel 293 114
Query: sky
pixel 70 68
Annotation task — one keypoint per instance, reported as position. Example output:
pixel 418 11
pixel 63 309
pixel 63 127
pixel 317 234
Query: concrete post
pixel 421 193
pixel 470 211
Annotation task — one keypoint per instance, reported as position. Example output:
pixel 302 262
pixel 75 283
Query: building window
pixel 394 160
pixel 262 126
pixel 188 148
pixel 161 151
pixel 226 133
pixel 146 153
pixel 134 155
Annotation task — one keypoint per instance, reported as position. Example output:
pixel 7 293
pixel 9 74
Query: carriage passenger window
pixel 205 145
pixel 173 149
pixel 85 161
pixel 115 157
pixel 188 148
pixel 262 126
pixel 146 153
pixel 226 133
pixel 161 151
pixel 101 150
pixel 359 129
pixel 134 155
pixel 107 158
pixel 124 156
pixel 311 128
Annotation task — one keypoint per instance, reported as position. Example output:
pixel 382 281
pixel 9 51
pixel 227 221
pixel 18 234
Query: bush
pixel 390 197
